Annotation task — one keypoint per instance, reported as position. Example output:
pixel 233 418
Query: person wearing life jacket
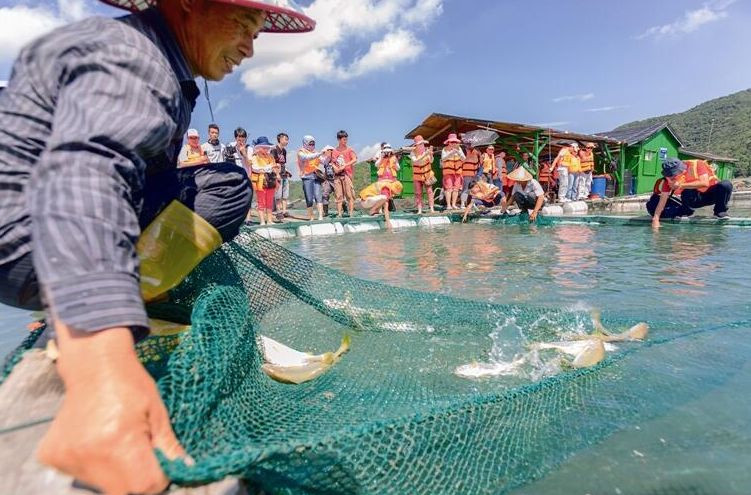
pixel 587 163
pixel 375 197
pixel 387 165
pixel 422 172
pixel 527 193
pixel 470 167
pixel 484 194
pixel 192 153
pixel 264 176
pixel 502 169
pixel 567 164
pixel 452 158
pixel 697 185
pixel 545 176
pixel 311 172
pixel 489 166
pixel 673 207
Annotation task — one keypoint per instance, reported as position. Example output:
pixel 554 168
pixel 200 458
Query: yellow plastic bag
pixel 171 246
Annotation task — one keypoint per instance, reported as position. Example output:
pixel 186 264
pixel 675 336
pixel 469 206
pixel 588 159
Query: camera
pixel 229 152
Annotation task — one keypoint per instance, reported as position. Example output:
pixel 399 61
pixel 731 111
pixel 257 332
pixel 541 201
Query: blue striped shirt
pixel 91 109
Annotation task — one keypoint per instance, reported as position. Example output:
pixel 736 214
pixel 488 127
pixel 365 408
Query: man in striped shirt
pixel 90 126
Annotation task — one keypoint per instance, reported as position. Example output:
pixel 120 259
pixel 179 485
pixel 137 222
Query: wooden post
pixel 29 399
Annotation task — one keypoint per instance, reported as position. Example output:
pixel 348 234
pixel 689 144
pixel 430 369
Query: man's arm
pixel 536 209
pixel 110 111
pixel 659 208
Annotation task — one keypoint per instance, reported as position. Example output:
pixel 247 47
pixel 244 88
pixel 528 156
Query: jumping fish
pixel 481 370
pixel 586 352
pixel 637 332
pixel 287 365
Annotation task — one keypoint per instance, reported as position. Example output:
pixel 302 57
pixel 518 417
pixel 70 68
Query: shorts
pixel 282 192
pixel 343 188
pixel 452 182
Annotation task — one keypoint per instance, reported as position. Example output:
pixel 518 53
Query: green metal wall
pixel 646 159
pixel 405 174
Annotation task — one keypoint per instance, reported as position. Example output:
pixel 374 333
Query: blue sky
pixel 377 68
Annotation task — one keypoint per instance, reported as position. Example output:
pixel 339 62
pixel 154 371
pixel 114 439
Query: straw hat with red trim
pixel 452 139
pixel 420 140
pixel 282 16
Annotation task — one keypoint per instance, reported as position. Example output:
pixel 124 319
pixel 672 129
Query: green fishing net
pixel 391 416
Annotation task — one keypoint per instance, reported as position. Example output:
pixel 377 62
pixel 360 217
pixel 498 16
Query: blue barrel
pixel 598 185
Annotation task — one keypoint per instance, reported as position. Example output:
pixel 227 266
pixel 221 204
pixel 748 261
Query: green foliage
pixel 721 126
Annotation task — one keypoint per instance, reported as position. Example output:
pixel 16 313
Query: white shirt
pixel 533 187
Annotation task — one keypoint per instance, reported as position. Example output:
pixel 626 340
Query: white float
pixel 318 229
pixel 400 223
pixel 361 227
pixel 274 234
pixel 575 208
pixel 552 210
pixel 432 221
pixel 630 206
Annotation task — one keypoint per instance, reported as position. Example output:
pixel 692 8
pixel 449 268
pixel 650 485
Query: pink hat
pixel 419 140
pixel 282 16
pixel 452 139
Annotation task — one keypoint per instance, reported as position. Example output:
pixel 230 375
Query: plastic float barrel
pixel 599 184
pixel 431 221
pixel 552 210
pixel 575 208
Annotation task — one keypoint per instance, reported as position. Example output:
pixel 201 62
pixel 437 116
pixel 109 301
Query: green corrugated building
pixel 643 148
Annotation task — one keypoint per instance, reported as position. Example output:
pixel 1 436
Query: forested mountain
pixel 721 126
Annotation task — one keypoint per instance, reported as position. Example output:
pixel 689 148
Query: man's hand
pixel 656 222
pixel 533 216
pixel 112 417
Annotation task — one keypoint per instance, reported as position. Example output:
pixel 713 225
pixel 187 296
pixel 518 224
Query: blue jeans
pixel 311 187
pixel 717 195
pixel 572 192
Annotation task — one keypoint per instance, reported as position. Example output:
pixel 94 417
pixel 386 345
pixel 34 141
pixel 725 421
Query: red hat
pixel 452 139
pixel 282 16
pixel 419 140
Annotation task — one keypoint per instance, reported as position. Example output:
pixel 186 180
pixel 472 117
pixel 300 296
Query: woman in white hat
pixel 422 172
pixel 452 158
pixel 527 193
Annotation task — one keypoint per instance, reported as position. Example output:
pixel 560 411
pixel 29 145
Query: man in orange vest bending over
pixel 697 185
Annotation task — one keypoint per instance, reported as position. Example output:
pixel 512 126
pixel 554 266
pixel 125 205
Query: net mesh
pixel 391 417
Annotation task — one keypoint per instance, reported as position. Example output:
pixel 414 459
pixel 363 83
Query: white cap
pixel 193 132
pixel 308 139
pixel 387 148
pixel 328 148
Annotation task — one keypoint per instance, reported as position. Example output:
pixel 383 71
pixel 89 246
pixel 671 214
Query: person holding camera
pixel 238 152
pixel 311 172
pixel 264 175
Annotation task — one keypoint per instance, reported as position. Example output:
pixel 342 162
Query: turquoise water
pixel 678 279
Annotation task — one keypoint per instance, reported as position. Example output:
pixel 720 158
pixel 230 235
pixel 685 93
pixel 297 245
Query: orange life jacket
pixel 471 164
pixel 694 169
pixel 488 164
pixel 310 165
pixel 258 179
pixel 544 173
pixel 571 161
pixel 488 191
pixel 452 166
pixel 587 159
pixel 387 165
pixel 421 166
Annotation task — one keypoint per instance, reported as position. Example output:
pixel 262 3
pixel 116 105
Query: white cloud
pixel 691 20
pixel 369 152
pixel 389 27
pixel 23 23
pixel 581 97
pixel 606 109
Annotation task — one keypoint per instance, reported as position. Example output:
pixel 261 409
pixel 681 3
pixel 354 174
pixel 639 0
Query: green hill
pixel 721 126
